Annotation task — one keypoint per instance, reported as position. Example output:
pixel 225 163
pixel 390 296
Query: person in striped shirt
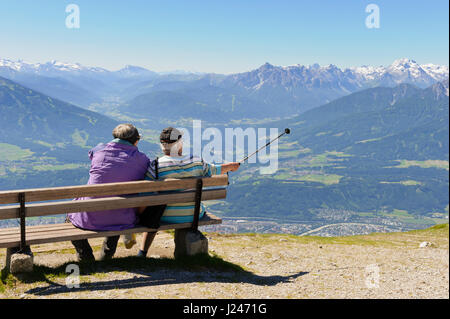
pixel 176 165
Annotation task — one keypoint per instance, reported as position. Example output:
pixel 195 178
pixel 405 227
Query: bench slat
pixel 11 232
pixel 108 189
pixel 59 234
pixel 98 204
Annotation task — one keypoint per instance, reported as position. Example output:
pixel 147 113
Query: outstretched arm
pixel 230 167
pixel 212 169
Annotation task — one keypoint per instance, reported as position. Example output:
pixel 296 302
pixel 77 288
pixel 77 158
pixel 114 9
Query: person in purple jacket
pixel 117 161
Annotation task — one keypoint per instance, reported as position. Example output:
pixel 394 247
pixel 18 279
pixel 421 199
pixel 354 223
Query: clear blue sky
pixel 224 36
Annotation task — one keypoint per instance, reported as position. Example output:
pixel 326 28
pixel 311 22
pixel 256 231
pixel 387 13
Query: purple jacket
pixel 117 161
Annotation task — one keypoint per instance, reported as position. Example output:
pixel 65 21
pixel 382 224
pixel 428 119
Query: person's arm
pixel 230 167
pixel 99 147
pixel 212 169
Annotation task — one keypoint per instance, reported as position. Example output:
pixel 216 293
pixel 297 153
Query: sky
pixel 224 36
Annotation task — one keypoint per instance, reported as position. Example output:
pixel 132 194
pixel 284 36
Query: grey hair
pixel 127 132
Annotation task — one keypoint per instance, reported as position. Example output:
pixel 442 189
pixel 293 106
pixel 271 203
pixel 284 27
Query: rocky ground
pixel 252 266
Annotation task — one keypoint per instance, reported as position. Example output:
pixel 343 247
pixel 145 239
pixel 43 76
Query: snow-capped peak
pixel 48 68
pixel 406 66
pixel 437 72
pixel 134 71
pixel 404 62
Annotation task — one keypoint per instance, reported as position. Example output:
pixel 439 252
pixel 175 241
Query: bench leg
pixel 8 259
pixel 17 262
pixel 189 242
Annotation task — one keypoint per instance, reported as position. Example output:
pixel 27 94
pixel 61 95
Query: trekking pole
pixel 286 131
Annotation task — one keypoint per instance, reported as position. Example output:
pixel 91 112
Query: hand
pixel 234 166
pixel 230 167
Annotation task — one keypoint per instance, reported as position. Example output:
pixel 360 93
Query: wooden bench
pixel 52 201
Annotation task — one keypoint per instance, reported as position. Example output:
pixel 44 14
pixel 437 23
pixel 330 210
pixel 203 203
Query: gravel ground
pixel 277 266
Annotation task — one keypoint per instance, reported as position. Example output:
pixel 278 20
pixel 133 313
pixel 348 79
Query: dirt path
pixel 276 266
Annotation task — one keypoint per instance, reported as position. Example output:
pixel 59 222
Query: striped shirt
pixel 181 167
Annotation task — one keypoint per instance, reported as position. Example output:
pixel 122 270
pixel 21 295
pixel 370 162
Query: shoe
pixel 129 240
pixel 83 250
pixel 142 254
pixel 82 258
pixel 109 248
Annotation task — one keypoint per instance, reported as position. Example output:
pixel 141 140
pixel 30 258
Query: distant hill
pixel 403 122
pixel 44 141
pixel 29 116
pixel 377 156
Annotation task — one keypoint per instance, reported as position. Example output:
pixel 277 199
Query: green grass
pixel 324 159
pixel 366 214
pixel 44 144
pixel 151 136
pixel 424 164
pixel 369 140
pixel 326 179
pixel 242 178
pixel 80 138
pixel 437 233
pixel 288 154
pixel 337 154
pixel 7 281
pixel 440 230
pixel 405 183
pixel 13 153
pixel 286 174
pixel 57 167
pixel 287 146
pixel 405 217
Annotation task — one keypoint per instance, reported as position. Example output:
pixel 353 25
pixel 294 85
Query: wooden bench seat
pixel 26 203
pixel 51 233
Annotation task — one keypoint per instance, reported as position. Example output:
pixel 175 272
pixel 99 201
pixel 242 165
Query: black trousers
pixel 151 216
pixel 84 250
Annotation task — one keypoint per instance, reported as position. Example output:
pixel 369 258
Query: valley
pixel 372 156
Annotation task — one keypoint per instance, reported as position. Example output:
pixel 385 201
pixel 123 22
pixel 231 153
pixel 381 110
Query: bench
pixel 27 203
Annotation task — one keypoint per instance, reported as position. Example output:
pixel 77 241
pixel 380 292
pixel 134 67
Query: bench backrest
pixel 115 200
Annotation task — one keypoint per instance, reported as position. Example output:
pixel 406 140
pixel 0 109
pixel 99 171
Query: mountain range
pixel 378 154
pixel 403 122
pixel 374 154
pixel 267 92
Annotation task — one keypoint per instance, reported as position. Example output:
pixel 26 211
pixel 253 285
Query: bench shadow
pixel 150 272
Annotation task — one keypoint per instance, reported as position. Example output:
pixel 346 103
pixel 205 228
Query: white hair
pixel 172 149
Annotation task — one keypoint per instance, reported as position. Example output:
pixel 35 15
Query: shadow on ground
pixel 149 272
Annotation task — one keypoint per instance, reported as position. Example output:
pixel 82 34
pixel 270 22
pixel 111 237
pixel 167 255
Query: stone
pixel 21 263
pixel 189 243
pixel 426 244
